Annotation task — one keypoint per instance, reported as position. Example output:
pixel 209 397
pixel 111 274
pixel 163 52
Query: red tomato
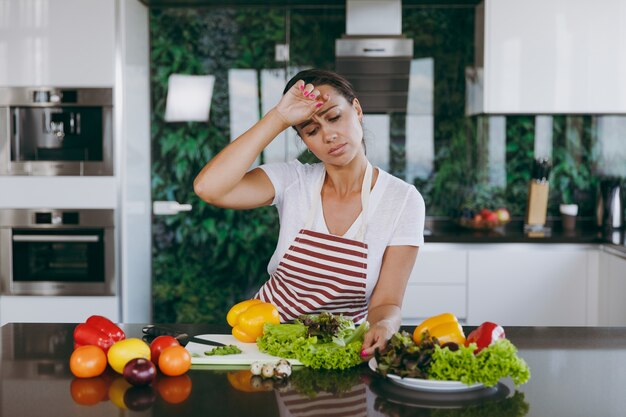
pixel 174 389
pixel 174 361
pixel 159 344
pixel 88 361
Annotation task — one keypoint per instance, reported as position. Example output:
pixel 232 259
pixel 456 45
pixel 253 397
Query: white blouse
pixel 395 217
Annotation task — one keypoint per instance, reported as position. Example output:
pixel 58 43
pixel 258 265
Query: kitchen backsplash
pixel 452 159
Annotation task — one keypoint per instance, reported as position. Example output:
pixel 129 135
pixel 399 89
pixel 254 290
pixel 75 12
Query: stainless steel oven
pixel 57 252
pixel 56 131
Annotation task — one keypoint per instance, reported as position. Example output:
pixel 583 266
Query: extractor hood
pixel 374 56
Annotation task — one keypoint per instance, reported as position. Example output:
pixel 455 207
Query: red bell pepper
pixel 485 335
pixel 86 334
pixel 107 327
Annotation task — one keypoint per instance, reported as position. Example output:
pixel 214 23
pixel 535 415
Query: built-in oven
pixel 56 131
pixel 57 252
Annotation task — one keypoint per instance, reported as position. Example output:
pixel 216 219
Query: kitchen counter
pixel 444 230
pixel 576 371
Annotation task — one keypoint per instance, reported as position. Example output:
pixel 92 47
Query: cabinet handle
pixel 165 208
pixel 56 238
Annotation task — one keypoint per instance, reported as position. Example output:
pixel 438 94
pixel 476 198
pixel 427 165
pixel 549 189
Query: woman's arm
pixel 224 180
pixel 384 312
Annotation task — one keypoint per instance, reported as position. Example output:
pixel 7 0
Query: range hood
pixel 374 56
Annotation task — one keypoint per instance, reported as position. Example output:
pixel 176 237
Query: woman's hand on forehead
pixel 300 103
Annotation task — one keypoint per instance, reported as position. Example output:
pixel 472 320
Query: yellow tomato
pixel 233 314
pixel 123 351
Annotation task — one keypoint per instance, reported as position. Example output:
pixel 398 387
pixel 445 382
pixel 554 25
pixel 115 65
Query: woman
pixel 349 234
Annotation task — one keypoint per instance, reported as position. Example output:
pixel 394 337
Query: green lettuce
pixel 497 361
pixel 333 351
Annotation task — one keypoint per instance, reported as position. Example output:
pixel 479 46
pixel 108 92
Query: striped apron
pixel 325 404
pixel 320 271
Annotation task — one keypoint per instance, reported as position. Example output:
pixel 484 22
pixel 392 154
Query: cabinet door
pixel 612 290
pixel 438 283
pixel 55 309
pixel 554 56
pixel 69 43
pixel 528 285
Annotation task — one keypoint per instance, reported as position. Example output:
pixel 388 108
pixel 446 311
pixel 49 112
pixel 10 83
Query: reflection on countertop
pixel 446 230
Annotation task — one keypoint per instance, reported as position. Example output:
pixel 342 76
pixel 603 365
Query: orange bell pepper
pixel 445 327
pixel 248 318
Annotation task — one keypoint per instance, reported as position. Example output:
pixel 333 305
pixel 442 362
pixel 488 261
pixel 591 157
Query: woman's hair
pixel 323 77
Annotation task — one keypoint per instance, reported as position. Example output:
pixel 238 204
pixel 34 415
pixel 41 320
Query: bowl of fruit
pixel 484 218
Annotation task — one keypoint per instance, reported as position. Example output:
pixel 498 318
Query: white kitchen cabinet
pixel 555 56
pixel 48 309
pixel 533 284
pixel 68 43
pixel 612 289
pixel 438 283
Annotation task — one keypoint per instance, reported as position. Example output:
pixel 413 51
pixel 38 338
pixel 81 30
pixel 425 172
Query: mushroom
pixel 268 370
pixel 282 369
pixel 256 368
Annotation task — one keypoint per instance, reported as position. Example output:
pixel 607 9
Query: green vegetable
pixel 404 358
pixel 336 345
pixel 223 350
pixel 497 361
pixel 451 362
pixel 283 340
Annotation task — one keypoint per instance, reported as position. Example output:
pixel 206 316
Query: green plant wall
pixel 206 260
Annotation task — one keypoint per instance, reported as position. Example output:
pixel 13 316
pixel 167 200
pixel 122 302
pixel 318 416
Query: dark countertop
pixel 444 230
pixel 576 371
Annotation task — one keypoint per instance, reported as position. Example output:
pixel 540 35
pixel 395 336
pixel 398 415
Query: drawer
pixel 440 267
pixel 422 301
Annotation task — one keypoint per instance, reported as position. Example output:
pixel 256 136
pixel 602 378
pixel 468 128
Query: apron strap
pixel 365 198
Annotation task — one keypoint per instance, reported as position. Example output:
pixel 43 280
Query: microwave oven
pixel 56 131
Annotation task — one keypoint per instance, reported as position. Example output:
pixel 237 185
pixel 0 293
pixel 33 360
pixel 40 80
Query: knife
pixel 183 338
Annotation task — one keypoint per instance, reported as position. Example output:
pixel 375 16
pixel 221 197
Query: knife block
pixel 537 205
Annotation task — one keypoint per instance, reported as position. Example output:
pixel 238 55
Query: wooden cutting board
pixel 249 352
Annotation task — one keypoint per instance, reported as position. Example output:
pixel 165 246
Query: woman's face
pixel 334 133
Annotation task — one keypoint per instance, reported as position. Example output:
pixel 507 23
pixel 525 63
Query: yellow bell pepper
pixel 239 308
pixel 445 327
pixel 248 318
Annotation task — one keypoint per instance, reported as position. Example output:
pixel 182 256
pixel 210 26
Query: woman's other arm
pixel 384 312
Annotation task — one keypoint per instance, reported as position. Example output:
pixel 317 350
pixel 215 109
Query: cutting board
pixel 249 352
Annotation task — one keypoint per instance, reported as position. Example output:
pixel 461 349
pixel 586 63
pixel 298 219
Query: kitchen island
pixel 576 371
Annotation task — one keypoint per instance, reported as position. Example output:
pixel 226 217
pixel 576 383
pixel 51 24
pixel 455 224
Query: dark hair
pixel 323 77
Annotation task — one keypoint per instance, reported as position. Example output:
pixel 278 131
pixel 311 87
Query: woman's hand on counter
pixel 377 337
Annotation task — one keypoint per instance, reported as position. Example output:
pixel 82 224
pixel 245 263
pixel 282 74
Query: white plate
pixel 427 384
